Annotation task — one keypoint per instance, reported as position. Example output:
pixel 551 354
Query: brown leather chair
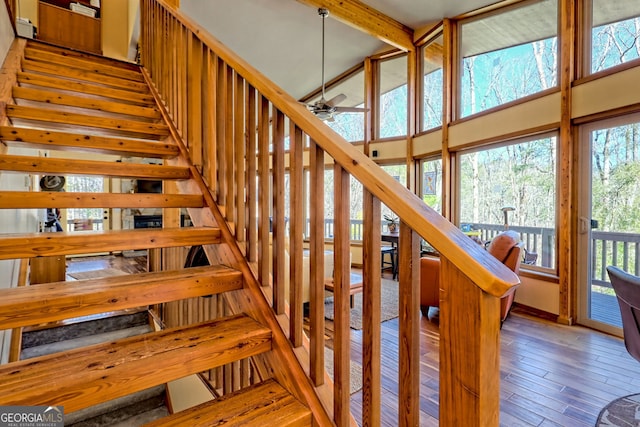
pixel 506 247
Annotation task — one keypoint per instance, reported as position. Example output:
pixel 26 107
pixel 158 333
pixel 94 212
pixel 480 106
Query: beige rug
pixel 97 274
pixel 356 371
pixel 390 305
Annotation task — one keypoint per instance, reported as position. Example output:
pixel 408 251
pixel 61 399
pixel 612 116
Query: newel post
pixel 469 352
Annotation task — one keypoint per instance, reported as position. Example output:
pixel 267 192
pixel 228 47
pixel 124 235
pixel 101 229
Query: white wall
pixel 6 32
pixel 16 220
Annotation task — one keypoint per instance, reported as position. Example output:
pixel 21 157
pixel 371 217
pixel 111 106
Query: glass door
pixel 609 215
pixel 80 219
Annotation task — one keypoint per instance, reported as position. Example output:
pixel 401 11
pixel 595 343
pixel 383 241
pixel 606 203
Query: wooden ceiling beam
pixel 369 20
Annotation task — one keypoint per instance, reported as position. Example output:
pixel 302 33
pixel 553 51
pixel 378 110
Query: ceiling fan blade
pixel 351 110
pixel 336 100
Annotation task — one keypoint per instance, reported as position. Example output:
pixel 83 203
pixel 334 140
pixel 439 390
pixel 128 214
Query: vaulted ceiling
pixel 283 38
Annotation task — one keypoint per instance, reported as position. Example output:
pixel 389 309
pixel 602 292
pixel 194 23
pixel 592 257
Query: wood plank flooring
pixel 551 375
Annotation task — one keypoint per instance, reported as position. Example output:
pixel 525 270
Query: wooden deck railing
pixel 234 122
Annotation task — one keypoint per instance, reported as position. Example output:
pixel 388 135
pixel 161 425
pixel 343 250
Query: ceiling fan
pixel 322 108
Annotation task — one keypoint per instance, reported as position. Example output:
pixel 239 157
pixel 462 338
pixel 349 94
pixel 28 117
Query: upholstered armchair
pixel 506 247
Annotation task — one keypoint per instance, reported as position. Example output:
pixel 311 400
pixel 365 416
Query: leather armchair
pixel 506 247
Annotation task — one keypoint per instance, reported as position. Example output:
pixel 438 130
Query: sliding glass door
pixel 609 219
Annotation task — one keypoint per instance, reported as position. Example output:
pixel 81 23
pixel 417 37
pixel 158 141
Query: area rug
pixel 96 274
pixel 389 297
pixel 355 375
pixel 622 412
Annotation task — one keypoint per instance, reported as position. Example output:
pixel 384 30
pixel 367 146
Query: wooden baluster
pixel 210 123
pixel 221 126
pixel 316 271
pixel 229 144
pixel 296 225
pixel 278 213
pixel 341 303
pixel 195 106
pixel 409 333
pixel 252 167
pixel 469 351
pixel 238 183
pixel 371 311
pixel 263 191
pixel 183 112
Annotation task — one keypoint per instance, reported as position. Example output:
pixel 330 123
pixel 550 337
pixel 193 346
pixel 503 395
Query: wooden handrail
pixel 483 269
pixel 244 113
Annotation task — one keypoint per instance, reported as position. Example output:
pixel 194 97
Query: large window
pixel 516 182
pixel 431 183
pixel 350 125
pixel 393 97
pixel 432 84
pixel 507 56
pixel 615 33
pixel 399 173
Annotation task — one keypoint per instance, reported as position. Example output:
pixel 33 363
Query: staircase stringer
pixel 282 362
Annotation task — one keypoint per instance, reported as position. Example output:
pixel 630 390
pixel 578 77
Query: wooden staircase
pixel 65 102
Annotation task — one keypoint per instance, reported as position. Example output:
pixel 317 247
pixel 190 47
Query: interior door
pixel 609 215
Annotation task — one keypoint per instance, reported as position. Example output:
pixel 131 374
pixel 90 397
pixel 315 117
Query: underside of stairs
pixel 73 114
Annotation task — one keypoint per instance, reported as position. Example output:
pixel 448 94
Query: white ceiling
pixel 283 38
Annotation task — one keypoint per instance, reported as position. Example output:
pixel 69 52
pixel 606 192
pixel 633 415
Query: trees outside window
pixel 432 84
pixel 393 97
pixel 431 183
pixel 85 184
pixel 519 175
pixel 399 172
pixel 615 33
pixel 504 60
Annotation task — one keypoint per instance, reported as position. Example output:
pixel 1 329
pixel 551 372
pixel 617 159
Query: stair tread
pixel 85 87
pixel 110 69
pixel 51 139
pixel 84 75
pixel 266 403
pixel 49 165
pixel 62 100
pixel 31 245
pixel 70 344
pixel 86 57
pixel 22 306
pixel 82 200
pixel 86 376
pixel 56 116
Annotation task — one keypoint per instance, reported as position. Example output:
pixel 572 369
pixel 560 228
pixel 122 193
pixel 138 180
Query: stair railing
pixel 236 125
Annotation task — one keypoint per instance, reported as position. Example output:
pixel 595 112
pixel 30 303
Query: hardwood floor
pixel 551 375
pixel 131 265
